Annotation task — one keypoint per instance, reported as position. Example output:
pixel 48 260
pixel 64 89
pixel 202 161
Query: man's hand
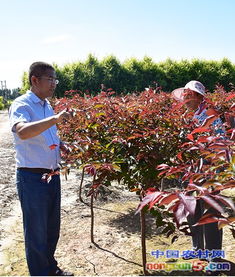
pixel 63 115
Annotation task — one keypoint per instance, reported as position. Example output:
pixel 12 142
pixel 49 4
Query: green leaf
pixel 99 114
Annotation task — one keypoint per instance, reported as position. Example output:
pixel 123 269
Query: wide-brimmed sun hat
pixel 197 86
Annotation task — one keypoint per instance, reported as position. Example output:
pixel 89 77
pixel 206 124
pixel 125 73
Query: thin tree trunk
pixel 92 219
pixel 80 187
pixel 92 213
pixel 143 241
pixel 143 236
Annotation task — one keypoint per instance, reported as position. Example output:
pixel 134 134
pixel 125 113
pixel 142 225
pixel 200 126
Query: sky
pixel 64 31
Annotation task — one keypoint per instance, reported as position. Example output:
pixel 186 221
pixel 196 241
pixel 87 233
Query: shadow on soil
pixel 130 223
pixel 115 255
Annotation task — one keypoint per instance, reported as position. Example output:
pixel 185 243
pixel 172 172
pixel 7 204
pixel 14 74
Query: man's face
pixel 193 99
pixel 47 83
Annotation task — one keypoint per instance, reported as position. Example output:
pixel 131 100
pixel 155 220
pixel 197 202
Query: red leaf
pixel 187 144
pixel 180 213
pixel 210 218
pixel 151 190
pixel 202 139
pixel 229 97
pixel 186 176
pixel 173 206
pixel 152 203
pixel 168 199
pixel 206 220
pixel 193 148
pixel 174 170
pixel 217 145
pixel 201 164
pixel 200 130
pixel 189 202
pixel 195 131
pixel 163 172
pixel 179 156
pixel 162 166
pixel 233 134
pixel 212 203
pixel 190 137
pixel 208 119
pixel 225 200
pixel 191 187
pixel 151 199
pixel 90 169
pixel 108 167
pixel 230 184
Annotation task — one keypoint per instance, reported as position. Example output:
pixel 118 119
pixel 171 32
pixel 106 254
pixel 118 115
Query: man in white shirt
pixel 37 145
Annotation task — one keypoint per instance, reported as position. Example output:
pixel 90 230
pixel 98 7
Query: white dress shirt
pixel 34 152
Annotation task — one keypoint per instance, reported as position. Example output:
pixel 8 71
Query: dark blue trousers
pixel 206 236
pixel 40 203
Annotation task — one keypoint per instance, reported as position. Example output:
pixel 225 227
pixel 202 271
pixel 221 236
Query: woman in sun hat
pixel 193 94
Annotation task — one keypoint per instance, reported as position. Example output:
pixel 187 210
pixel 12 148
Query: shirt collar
pixel 35 98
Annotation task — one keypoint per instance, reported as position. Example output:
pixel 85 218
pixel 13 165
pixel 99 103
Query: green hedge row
pixel 5 104
pixel 2 106
pixel 2 103
pixel 134 75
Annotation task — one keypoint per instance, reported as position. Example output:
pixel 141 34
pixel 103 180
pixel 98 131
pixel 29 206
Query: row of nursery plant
pixel 142 139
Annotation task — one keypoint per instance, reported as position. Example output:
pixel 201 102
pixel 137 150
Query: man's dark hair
pixel 38 69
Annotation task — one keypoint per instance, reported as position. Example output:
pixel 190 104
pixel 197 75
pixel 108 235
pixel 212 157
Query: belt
pixel 37 170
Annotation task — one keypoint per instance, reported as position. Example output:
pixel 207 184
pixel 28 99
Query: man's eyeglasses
pixel 51 80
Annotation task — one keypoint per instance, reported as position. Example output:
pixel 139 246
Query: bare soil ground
pixel 117 230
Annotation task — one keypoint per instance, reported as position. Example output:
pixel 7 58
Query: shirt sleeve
pixel 18 113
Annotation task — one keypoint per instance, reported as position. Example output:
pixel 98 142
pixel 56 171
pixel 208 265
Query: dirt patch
pixel 7 166
pixel 117 251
